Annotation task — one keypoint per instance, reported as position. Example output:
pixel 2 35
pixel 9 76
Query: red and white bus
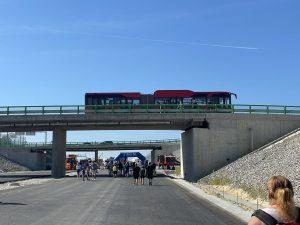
pixel 185 97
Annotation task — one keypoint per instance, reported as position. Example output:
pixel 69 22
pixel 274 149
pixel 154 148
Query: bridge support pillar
pixel 187 151
pixel 59 153
pixel 195 155
pixel 153 156
pixel 205 150
pixel 96 156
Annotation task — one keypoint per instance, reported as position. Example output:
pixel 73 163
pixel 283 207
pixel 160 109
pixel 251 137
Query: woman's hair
pixel 281 194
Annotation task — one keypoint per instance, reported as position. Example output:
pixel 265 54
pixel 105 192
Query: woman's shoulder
pixel 269 210
pixel 262 215
pixel 272 212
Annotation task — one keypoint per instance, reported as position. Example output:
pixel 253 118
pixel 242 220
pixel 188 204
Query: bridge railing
pixel 42 110
pixel 162 108
pixel 266 109
pixel 86 144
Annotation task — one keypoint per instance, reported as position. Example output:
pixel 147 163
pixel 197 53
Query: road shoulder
pixel 226 205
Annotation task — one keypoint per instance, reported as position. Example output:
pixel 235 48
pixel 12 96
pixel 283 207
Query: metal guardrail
pixel 154 108
pixel 104 143
pixel 266 109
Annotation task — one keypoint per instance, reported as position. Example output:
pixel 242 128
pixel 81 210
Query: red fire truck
pixel 71 161
pixel 168 161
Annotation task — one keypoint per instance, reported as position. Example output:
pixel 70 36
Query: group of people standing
pixel 142 172
pixel 87 170
pixel 137 172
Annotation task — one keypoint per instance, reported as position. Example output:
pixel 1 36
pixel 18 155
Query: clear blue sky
pixel 52 52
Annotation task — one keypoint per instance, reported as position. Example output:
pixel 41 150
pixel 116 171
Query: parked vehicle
pixel 71 161
pixel 167 161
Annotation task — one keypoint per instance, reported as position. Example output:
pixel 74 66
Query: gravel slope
pixel 9 166
pixel 252 171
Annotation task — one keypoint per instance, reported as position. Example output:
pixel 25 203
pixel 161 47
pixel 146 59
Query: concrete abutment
pixel 206 150
pixel 59 153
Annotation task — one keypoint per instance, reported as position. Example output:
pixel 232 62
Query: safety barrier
pixel 162 108
pixel 84 144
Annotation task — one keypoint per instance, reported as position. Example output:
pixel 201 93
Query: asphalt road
pixel 108 201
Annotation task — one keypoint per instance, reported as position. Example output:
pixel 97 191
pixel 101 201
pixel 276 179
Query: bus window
pixel 109 101
pixel 212 100
pixel 160 101
pixel 89 101
pixel 101 101
pixel 136 101
pixel 201 101
pixel 116 101
pixel 227 101
pixel 187 101
pixel 95 101
pixel 173 100
pixel 222 100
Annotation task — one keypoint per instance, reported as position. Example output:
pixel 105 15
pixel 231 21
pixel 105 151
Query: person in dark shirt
pixel 149 172
pixel 136 173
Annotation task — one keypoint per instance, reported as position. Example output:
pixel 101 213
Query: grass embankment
pixel 222 182
pixel 177 170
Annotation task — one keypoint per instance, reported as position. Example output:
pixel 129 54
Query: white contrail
pixel 184 42
pixel 51 30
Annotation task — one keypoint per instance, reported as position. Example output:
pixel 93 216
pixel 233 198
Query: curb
pixel 229 207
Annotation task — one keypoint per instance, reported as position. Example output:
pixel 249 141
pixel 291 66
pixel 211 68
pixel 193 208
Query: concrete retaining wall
pixel 227 139
pixel 31 160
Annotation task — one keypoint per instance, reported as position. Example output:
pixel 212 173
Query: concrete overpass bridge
pixel 212 136
pixel 104 146
pixel 37 155
pixel 153 145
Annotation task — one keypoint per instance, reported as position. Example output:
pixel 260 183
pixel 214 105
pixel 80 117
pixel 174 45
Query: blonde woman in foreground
pixel 281 207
